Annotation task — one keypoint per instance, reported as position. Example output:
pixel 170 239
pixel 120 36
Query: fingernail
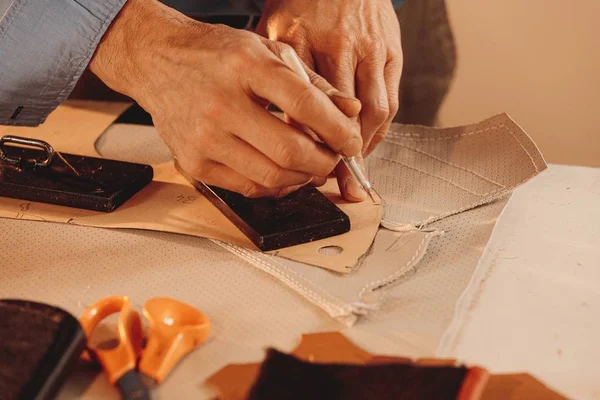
pixel 337 93
pixel 354 189
pixel 285 191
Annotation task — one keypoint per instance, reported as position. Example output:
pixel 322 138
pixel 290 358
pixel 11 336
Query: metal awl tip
pixel 370 193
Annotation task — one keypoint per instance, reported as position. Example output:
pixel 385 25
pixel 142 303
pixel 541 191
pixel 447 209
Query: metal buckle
pixel 49 150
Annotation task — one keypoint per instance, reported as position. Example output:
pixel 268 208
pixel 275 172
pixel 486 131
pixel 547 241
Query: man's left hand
pixel 355 45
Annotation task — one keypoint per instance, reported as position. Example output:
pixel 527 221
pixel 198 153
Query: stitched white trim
pixel 413 136
pixel 315 294
pixel 446 162
pixel 487 197
pixel 432 175
pixel 419 253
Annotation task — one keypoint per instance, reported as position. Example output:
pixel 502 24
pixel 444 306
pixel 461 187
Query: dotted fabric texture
pixel 72 266
pixel 429 182
pixel 425 174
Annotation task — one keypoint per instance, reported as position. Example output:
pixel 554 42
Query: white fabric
pixel 534 301
pixel 423 175
pixel 73 266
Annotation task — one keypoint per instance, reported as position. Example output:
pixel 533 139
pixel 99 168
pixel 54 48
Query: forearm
pixel 44 48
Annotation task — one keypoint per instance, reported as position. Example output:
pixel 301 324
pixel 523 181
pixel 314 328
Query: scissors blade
pixel 132 387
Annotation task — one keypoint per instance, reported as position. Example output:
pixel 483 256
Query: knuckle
pixel 197 168
pixel 244 55
pixel 273 177
pixel 339 41
pixel 319 181
pixel 251 190
pixel 290 156
pixel 303 99
pixel 378 111
pixel 213 110
pixel 296 33
pixel 344 137
pixel 381 112
pixel 373 44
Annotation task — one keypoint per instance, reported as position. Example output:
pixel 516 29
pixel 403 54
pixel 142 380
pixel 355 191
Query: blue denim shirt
pixel 45 45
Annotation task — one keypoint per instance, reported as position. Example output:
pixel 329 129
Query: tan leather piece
pixel 233 381
pixel 170 203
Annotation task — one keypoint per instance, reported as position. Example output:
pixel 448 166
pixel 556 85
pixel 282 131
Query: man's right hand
pixel 206 87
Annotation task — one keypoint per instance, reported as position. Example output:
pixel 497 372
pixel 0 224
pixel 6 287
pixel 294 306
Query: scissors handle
pixel 119 360
pixel 176 329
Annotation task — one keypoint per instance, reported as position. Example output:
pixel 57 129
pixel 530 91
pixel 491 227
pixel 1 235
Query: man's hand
pixel 355 45
pixel 206 88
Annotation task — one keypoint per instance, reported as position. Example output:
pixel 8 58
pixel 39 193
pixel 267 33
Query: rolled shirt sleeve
pixel 45 45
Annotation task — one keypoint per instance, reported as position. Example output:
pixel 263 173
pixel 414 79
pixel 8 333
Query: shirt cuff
pixel 45 47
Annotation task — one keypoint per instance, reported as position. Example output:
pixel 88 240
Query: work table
pixel 532 305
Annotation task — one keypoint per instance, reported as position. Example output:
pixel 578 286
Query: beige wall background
pixel 538 60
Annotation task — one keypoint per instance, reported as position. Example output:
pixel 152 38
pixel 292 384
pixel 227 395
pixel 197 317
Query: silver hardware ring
pixel 49 150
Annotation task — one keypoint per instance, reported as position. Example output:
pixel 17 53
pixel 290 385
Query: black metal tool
pixel 39 346
pixel 47 176
pixel 303 216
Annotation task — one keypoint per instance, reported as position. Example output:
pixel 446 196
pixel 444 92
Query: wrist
pixel 125 56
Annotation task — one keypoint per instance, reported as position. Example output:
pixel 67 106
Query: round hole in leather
pixel 330 250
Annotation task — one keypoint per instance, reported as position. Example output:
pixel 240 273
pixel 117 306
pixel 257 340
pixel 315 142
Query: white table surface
pixel 534 301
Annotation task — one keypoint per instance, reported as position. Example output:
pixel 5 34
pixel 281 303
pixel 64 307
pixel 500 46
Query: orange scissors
pixel 175 329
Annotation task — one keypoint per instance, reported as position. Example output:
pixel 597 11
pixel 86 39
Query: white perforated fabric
pixel 423 175
pixel 426 174
pixel 72 267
